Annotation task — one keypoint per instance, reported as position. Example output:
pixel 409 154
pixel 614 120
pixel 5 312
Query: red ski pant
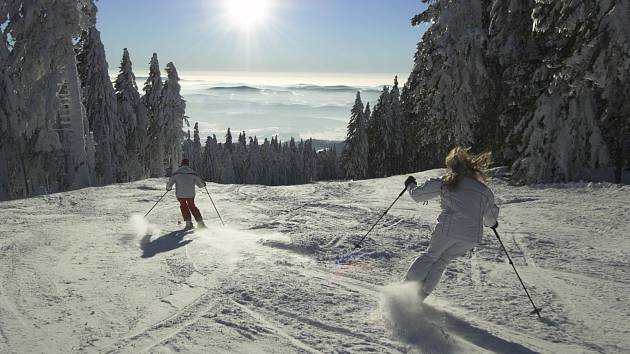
pixel 187 206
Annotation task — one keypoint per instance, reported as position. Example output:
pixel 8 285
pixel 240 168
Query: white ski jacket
pixel 464 211
pixel 185 179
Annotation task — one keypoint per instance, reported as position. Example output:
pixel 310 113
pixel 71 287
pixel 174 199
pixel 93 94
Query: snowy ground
pixel 283 277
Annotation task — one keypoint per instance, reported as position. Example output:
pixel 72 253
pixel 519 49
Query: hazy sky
pixel 370 36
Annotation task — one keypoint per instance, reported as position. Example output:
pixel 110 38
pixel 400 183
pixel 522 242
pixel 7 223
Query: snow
pixel 283 275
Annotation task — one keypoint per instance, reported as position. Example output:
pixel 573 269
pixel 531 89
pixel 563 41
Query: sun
pixel 247 14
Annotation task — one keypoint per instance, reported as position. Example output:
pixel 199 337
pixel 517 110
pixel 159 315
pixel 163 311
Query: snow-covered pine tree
pixel 513 58
pixel 355 154
pixel 211 160
pixel 54 154
pixel 577 120
pixel 172 112
pixel 133 116
pixel 448 87
pixel 265 164
pixel 254 172
pixel 151 101
pixel 228 141
pixel 206 163
pixel 543 84
pixel 227 174
pixel 380 136
pixel 227 168
pixel 102 109
pixel 12 177
pixel 187 147
pixel 309 159
pixel 239 159
pixel 196 149
pixel 396 158
pixel 278 176
pixel 367 116
pixel 294 163
pixel 327 167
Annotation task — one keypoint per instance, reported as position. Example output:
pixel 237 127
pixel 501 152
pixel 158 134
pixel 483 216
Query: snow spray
pixel 142 228
pixel 406 316
pixel 232 243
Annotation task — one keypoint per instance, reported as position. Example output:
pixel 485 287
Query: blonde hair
pixel 461 163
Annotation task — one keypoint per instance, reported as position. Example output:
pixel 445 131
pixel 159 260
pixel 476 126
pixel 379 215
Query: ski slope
pixel 283 276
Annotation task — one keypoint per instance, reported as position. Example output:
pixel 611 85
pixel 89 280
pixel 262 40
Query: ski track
pixel 267 322
pixel 582 307
pixel 309 292
pixel 164 330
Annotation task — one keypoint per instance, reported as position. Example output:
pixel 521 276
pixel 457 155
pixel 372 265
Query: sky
pixel 332 36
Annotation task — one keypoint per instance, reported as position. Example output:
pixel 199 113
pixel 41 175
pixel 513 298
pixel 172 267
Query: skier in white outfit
pixel 185 179
pixel 467 205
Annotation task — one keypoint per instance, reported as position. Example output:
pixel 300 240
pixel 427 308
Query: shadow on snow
pixel 165 243
pixel 476 336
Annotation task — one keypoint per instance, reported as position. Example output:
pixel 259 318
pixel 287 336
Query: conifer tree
pixel 52 155
pixel 355 154
pixel 265 164
pixel 569 134
pixel 449 87
pixel 172 114
pixel 254 171
pixel 515 55
pixel 187 147
pixel 310 161
pixel 196 149
pixel 151 100
pixel 380 135
pixel 12 177
pixel 228 141
pixel 239 159
pixel 211 160
pixel 227 168
pixel 101 109
pixel 133 116
pixel 396 157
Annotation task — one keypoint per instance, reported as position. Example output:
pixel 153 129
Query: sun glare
pixel 247 14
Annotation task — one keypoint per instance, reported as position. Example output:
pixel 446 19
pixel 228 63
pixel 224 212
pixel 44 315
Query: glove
pixel 409 181
pixel 496 224
pixel 204 184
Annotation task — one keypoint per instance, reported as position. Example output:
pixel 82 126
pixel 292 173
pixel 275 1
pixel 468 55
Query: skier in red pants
pixel 185 179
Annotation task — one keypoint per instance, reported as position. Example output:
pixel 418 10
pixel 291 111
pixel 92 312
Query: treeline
pixel 374 146
pixel 248 161
pixel 62 123
pixel 544 85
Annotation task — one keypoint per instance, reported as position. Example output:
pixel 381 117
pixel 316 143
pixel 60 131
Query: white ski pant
pixel 428 267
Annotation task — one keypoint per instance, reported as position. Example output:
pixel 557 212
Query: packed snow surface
pixel 78 272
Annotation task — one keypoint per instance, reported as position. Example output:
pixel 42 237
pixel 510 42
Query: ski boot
pixel 189 225
pixel 201 225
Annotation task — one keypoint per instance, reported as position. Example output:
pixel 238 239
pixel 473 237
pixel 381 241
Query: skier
pixel 185 179
pixel 467 204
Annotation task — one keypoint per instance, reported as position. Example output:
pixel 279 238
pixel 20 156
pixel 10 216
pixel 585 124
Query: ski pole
pixel 215 207
pixel 156 203
pixel 358 244
pixel 536 309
